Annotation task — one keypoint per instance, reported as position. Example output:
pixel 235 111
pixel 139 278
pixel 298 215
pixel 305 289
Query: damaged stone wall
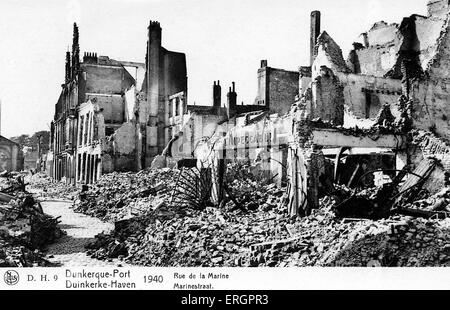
pixel 392 61
pixel 430 96
pixel 365 96
pixel 381 34
pixel 378 53
pixel 112 107
pixel 384 45
pixel 105 142
pixel 105 77
pixel 197 129
pixel 329 54
pixel 121 147
pixel 428 31
pixel 328 98
pixel 438 8
pixel 263 143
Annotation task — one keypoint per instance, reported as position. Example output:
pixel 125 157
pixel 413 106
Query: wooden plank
pixel 423 170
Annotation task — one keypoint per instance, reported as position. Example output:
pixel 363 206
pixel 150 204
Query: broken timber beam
pixel 5 197
pixel 422 213
pixel 336 138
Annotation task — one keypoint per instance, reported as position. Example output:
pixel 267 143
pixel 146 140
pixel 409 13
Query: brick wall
pixel 283 88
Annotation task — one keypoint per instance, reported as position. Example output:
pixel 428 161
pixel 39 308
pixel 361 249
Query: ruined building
pixel 111 114
pixel 364 108
pixel 194 125
pixel 352 116
pixel 112 117
pixel 355 121
pixel 11 156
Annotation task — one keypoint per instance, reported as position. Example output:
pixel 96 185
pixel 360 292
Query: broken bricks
pixel 24 230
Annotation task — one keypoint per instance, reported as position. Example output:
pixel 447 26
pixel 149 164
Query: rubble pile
pixel 434 203
pixel 251 227
pixel 212 237
pixel 249 188
pixel 405 242
pixel 12 182
pixel 24 231
pixel 266 236
pixel 174 236
pixel 216 237
pixel 322 239
pixel 118 195
pixel 41 185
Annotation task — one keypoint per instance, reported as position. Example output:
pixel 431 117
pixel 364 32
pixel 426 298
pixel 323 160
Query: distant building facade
pixel 192 126
pixel 30 158
pixel 111 114
pixel 11 157
pixel 119 115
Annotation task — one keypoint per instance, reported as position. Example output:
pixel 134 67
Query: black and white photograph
pixel 207 133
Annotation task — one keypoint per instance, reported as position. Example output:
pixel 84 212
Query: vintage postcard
pixel 209 144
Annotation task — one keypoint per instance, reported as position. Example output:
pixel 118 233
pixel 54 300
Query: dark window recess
pixel 109 131
pixel 368 104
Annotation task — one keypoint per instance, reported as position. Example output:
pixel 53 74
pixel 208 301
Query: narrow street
pixel 81 229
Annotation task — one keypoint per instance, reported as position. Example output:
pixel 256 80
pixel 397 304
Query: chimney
pixel 90 58
pixel 153 69
pixel 232 99
pixel 217 94
pixel 315 32
pixel 263 63
pixel 366 39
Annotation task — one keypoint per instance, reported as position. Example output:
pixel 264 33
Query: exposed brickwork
pixel 277 89
pixel 328 98
pixel 283 87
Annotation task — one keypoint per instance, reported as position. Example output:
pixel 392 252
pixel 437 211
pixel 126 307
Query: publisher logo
pixel 11 277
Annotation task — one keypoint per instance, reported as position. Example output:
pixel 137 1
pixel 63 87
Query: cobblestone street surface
pixel 69 251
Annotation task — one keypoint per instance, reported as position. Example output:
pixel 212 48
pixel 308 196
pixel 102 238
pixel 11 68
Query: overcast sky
pixel 222 39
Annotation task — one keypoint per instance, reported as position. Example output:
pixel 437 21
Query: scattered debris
pixel 260 232
pixel 41 185
pixel 24 229
pixel 119 195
